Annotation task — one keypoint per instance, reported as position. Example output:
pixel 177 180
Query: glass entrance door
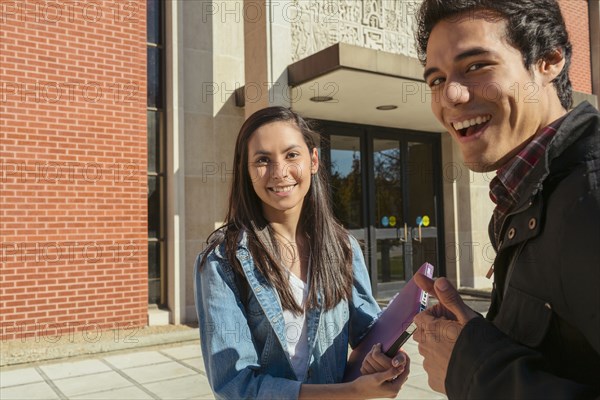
pixel 422 208
pixel 388 236
pixel 386 189
pixel 346 165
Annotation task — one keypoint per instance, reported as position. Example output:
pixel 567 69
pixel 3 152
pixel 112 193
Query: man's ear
pixel 314 164
pixel 551 65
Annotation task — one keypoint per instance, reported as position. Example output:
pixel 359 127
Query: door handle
pixel 420 238
pixel 424 220
pixel 405 238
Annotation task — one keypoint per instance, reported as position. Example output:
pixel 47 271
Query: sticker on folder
pixel 394 326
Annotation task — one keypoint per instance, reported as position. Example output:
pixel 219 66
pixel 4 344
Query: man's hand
pixel 438 327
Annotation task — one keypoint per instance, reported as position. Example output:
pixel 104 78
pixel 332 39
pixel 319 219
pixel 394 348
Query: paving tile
pixel 418 379
pixel 411 392
pixel 136 359
pixel 128 393
pixel 19 377
pixel 183 352
pixel 158 372
pixel 74 368
pixel 92 379
pixel 416 368
pixel 30 391
pixel 417 386
pixel 196 362
pixel 91 383
pixel 194 386
pixel 203 397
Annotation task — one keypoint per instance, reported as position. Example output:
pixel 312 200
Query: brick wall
pixel 577 19
pixel 73 219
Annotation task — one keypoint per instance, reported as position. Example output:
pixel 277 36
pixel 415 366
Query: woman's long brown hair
pixel 330 278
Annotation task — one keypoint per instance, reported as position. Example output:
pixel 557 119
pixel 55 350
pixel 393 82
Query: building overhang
pixel 359 80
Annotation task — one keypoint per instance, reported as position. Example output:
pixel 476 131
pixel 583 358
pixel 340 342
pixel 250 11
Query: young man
pixel 498 71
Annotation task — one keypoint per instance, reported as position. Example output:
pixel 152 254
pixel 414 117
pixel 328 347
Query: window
pixel 156 156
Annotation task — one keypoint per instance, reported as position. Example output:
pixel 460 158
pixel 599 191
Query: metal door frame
pixel 367 134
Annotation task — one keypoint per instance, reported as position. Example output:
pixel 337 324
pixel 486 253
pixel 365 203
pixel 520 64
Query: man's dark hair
pixel 535 27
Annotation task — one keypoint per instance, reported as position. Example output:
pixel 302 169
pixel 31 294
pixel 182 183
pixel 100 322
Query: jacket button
pixel 511 233
pixel 532 223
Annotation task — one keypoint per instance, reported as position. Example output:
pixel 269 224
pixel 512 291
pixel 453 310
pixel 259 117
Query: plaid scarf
pixel 504 188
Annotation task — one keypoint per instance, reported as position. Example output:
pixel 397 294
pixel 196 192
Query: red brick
pixel 576 17
pixel 44 208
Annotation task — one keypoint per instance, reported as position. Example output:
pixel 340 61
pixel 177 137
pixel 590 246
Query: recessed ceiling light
pixel 321 99
pixel 387 107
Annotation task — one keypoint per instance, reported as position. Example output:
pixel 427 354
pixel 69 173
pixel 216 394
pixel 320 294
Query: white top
pixel 295 329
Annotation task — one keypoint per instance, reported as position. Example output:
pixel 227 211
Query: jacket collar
pixel 572 129
pixel 242 243
pixel 560 153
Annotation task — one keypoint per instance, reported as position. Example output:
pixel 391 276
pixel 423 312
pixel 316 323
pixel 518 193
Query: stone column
pixel 267 53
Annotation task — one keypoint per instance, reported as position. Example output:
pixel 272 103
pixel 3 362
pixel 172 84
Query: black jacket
pixel 541 338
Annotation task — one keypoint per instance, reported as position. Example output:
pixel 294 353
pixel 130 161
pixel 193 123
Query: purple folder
pixel 392 322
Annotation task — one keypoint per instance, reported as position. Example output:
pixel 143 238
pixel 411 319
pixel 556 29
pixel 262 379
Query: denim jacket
pixel 244 342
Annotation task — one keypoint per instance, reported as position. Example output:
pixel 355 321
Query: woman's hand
pixel 382 376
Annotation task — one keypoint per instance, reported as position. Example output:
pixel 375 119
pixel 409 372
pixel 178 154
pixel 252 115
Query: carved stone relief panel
pixel 386 25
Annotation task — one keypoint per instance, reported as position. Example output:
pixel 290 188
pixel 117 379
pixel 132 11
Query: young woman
pixel 282 289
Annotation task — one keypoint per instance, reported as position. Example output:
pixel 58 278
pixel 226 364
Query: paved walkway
pixel 159 372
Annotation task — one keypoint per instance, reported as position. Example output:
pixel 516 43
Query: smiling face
pixel 483 94
pixel 280 166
